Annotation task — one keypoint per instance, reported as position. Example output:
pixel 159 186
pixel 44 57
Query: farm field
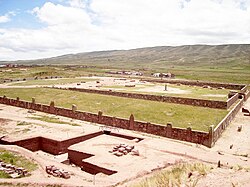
pixel 199 118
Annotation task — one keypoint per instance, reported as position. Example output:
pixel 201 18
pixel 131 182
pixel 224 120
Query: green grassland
pixel 17 160
pixel 199 118
pixel 191 91
pixel 50 119
pixel 227 72
pixel 43 71
pixel 53 81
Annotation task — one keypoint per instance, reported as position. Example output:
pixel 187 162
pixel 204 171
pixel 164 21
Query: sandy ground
pixel 155 152
pixel 239 140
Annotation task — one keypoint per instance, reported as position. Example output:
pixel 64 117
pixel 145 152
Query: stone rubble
pixel 52 170
pixel 13 171
pixel 123 149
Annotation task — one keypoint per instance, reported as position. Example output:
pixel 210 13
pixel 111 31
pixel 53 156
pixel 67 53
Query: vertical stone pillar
pixel 113 121
pixel 52 107
pixel 211 136
pixel 32 104
pixel 33 100
pixel 74 108
pixel 169 130
pixel 166 87
pixel 17 102
pixel 131 122
pixel 99 116
pixel 189 134
pixel 52 104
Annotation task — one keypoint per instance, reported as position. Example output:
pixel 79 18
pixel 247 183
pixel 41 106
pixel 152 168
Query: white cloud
pixel 4 19
pixel 77 3
pixel 86 25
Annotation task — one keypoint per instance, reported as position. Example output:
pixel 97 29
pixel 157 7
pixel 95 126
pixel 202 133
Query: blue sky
pixel 21 8
pixel 31 29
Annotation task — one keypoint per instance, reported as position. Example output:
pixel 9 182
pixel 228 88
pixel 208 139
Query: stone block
pixel 74 108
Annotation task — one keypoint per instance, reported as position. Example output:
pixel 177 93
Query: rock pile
pixel 52 170
pixel 13 171
pixel 123 149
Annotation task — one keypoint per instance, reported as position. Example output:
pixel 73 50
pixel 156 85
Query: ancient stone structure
pixel 225 122
pixel 168 99
pixel 199 83
pixel 57 147
pixel 130 124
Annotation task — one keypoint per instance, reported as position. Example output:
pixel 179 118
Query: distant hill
pixel 156 57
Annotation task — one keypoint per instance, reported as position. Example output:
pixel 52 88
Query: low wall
pixel 168 99
pixel 77 158
pixel 247 95
pixel 48 145
pixel 168 131
pixel 226 121
pixel 244 89
pixel 198 83
pixel 32 144
pixel 232 100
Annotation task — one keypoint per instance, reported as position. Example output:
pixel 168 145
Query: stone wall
pixel 246 95
pixel 77 158
pixel 226 121
pixel 168 99
pixel 32 144
pixel 232 100
pixel 155 129
pixel 244 89
pixel 48 145
pixel 198 83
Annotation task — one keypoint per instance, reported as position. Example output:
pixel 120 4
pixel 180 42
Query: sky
pixel 32 29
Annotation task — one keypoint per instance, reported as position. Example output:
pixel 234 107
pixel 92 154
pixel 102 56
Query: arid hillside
pixel 232 55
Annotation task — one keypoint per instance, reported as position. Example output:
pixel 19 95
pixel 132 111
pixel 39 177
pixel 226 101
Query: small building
pixel 164 75
pixel 126 73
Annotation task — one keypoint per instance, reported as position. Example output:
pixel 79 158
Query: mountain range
pixel 229 55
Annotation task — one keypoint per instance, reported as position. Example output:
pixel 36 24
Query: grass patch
pixel 188 91
pixel 179 175
pixel 17 160
pixel 4 175
pixel 53 81
pixel 199 118
pixel 52 120
pixel 23 123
